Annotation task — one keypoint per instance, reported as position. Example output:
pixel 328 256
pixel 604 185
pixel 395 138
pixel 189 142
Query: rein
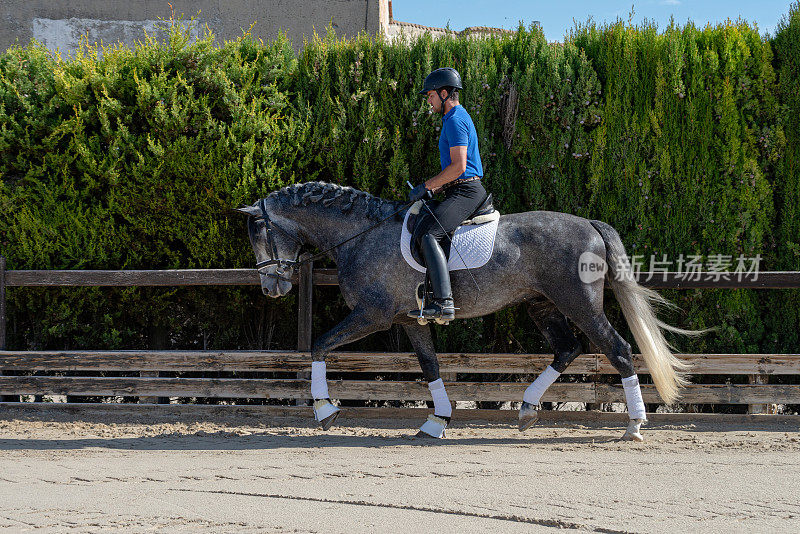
pixel 294 264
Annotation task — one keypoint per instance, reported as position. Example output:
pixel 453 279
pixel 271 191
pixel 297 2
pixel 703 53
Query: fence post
pixel 758 408
pixel 158 341
pixel 4 398
pixel 596 378
pixel 2 303
pixel 305 301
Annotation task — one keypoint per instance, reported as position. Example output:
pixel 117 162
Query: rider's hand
pixel 418 193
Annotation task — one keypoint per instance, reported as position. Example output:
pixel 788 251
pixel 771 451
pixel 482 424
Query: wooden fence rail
pixel 511 367
pixel 327 277
pixel 23 369
pixel 371 362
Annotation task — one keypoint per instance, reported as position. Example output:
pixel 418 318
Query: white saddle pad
pixel 475 242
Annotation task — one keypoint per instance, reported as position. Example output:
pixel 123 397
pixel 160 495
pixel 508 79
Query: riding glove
pixel 418 193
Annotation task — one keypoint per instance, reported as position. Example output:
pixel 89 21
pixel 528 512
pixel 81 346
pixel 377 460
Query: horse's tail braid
pixel 638 303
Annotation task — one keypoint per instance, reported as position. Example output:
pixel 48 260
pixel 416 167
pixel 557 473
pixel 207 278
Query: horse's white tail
pixel 638 303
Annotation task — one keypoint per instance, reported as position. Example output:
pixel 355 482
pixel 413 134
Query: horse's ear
pixel 251 211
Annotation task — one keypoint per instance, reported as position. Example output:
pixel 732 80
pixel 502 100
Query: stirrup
pixel 440 310
pixel 417 314
pixel 435 311
pixel 419 294
pixel 440 315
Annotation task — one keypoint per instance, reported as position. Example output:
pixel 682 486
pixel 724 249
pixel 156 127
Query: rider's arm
pixel 457 167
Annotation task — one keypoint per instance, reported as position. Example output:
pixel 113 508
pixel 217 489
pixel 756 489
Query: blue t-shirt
pixel 458 130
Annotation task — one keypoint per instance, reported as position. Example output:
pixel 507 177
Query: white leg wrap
pixel 633 397
pixel 535 391
pixel 441 404
pixel 319 384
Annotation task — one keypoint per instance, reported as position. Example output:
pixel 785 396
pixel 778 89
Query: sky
pixel 556 17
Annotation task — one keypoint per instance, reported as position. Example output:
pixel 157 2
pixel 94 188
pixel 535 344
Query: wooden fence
pixel 143 367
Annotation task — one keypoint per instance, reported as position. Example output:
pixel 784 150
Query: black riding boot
pixel 442 306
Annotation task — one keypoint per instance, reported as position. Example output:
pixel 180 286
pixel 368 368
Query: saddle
pixel 416 216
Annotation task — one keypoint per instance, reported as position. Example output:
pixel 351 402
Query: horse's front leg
pixel 420 337
pixel 360 323
pixel 566 348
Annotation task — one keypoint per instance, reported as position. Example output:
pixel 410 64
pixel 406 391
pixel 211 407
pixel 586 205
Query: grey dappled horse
pixel 535 261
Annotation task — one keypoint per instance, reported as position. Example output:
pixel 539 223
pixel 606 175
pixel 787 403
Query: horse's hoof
pixel 325 413
pixel 328 421
pixel 434 427
pixel 632 436
pixel 632 432
pixel 528 414
pixel 422 321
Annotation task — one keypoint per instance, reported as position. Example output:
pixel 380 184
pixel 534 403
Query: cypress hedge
pixel 685 139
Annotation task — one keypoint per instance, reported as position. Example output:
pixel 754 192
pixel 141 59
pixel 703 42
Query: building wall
pixel 63 23
pixel 400 30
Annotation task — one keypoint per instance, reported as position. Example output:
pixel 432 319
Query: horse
pixel 556 264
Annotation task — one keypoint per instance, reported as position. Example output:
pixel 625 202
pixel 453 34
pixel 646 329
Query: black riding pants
pixel 460 201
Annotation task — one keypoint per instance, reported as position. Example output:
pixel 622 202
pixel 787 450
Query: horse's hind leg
pixel 566 348
pixel 420 337
pixel 557 332
pixel 618 351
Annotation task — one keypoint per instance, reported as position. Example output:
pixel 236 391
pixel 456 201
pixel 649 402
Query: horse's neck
pixel 327 228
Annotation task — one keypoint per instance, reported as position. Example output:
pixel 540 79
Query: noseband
pixel 282 264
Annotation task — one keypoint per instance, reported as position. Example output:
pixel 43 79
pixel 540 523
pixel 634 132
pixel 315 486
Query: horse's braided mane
pixel 345 198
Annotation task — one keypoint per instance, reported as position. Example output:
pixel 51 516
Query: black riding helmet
pixel 440 78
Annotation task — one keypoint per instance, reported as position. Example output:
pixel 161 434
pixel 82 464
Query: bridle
pixel 282 263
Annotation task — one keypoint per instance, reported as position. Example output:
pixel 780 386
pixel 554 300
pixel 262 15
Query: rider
pixel 460 180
